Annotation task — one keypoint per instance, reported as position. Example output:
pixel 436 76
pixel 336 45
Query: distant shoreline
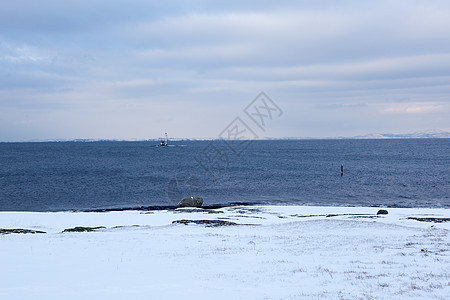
pixel 216 139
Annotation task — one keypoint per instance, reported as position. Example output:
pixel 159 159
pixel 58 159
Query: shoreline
pixel 172 207
pixel 240 214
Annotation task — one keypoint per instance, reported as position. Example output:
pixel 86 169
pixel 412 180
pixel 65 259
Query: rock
pixel 382 212
pixel 208 223
pixel 192 201
pixel 19 230
pixel 184 210
pixel 83 229
pixel 434 220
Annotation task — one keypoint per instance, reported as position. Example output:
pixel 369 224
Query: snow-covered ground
pixel 282 252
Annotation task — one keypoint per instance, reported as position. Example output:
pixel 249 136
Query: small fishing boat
pixel 164 142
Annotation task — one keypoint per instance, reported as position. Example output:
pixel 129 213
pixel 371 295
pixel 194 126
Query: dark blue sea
pixel 105 175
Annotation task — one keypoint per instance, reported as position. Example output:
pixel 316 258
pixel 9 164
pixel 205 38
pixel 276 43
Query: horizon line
pixel 219 139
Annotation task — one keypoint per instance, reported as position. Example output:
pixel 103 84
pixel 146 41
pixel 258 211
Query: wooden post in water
pixel 342 170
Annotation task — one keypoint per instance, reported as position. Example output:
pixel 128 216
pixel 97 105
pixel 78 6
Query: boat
pixel 164 142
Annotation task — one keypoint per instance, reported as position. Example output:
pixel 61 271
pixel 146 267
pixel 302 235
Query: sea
pixel 102 175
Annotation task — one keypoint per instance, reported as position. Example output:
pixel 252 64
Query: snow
pixel 288 252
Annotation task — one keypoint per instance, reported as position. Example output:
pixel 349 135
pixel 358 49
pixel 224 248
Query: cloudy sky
pixel 138 68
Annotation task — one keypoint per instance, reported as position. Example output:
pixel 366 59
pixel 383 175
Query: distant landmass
pixel 431 134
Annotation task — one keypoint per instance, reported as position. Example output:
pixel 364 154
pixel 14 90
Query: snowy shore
pixel 242 252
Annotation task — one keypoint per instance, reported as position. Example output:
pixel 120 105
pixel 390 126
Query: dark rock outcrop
pixel 192 201
pixel 382 212
pixel 19 230
pixel 83 229
pixel 434 220
pixel 207 223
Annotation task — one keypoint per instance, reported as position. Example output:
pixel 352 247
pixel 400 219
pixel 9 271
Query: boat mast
pixel 165 140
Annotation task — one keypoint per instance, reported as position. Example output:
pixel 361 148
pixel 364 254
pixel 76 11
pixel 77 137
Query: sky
pixel 104 69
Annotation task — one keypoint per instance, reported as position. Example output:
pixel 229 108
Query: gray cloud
pixel 134 70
